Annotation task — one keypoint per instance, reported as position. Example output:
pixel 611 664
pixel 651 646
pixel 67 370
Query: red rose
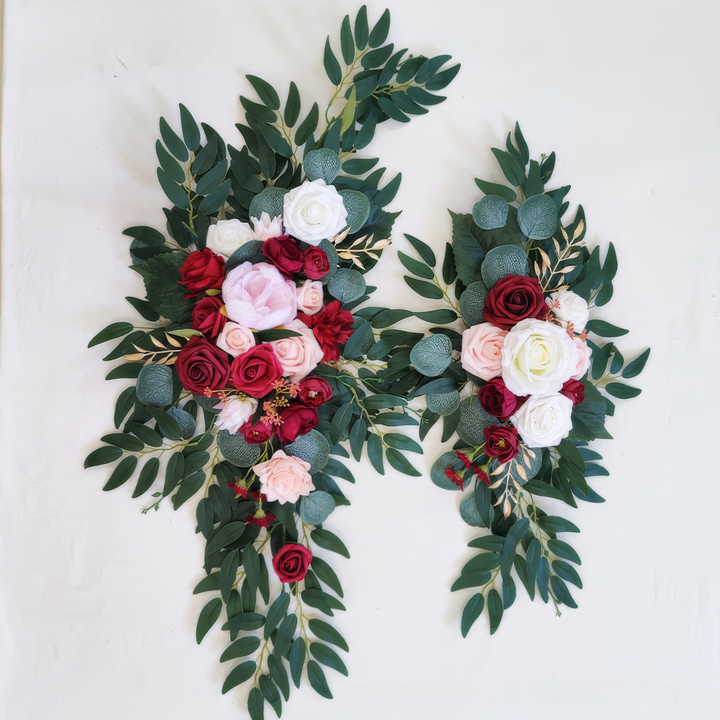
pixel 296 420
pixel 497 400
pixel 200 365
pixel 314 391
pixel 316 263
pixel 285 254
pixel 501 442
pixel 291 562
pixel 260 432
pixel 512 299
pixel 573 390
pixel 202 271
pixel 331 327
pixel 255 371
pixel 207 317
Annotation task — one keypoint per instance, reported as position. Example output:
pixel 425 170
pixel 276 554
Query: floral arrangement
pixel 250 369
pixel 525 385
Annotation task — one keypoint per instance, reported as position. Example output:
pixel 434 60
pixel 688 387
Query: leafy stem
pixel 340 88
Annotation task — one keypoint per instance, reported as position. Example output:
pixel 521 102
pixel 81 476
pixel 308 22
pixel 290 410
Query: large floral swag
pixel 525 383
pixel 250 369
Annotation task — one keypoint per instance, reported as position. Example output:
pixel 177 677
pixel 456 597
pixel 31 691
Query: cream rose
pixel 258 296
pixel 544 420
pixel 225 237
pixel 568 307
pixel 299 354
pixel 235 339
pixel 481 352
pixel 265 228
pixel 584 353
pixel 284 478
pixel 234 412
pixel 537 357
pixel 310 297
pixel 314 212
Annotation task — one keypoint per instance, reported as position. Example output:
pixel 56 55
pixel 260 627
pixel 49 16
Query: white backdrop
pixel 97 618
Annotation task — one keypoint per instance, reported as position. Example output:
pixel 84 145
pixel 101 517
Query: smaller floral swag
pixel 254 370
pixel 535 386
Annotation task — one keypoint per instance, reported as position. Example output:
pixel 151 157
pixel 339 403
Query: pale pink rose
pixel 583 363
pixel 310 297
pixel 284 477
pixel 265 228
pixel 234 412
pixel 482 350
pixel 235 339
pixel 299 354
pixel 258 296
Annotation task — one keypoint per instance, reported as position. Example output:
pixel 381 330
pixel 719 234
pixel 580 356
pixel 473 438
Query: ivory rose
pixel 284 477
pixel 544 420
pixel 235 412
pixel 583 363
pixel 569 307
pixel 314 212
pixel 226 236
pixel 310 297
pixel 235 339
pixel 299 354
pixel 482 350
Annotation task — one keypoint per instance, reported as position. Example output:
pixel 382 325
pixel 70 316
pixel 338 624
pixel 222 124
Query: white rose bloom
pixel 265 228
pixel 314 212
pixel 537 357
pixel 234 412
pixel 544 420
pixel 568 307
pixel 226 236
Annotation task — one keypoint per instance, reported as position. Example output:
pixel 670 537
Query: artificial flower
pixel 314 212
pixel 291 562
pixel 569 308
pixel 332 326
pixel 481 353
pixel 310 297
pixel 285 254
pixel 296 419
pixel 201 365
pixel 512 299
pixel 236 339
pixel 226 236
pixel 544 420
pixel 202 270
pixel 501 442
pixel 207 316
pixel 264 227
pixel 300 354
pixel 284 478
pixel 234 412
pixel 255 371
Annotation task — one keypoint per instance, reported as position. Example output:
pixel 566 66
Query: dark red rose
pixel 200 365
pixel 331 327
pixel 203 270
pixel 501 442
pixel 314 391
pixel 285 254
pixel 296 420
pixel 255 371
pixel 260 432
pixel 316 264
pixel 207 317
pixel 574 390
pixel 291 562
pixel 512 299
pixel 498 401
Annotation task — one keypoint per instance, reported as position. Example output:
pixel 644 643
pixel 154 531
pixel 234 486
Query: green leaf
pixel 566 572
pixel 386 318
pixel 361 28
pixel 466 248
pixel 423 250
pixel 266 92
pixel 205 158
pixel 415 266
pixel 240 648
pixel 161 275
pixel 328 657
pixel 473 610
pixel 317 679
pixel 212 179
pixel 307 126
pixel 275 140
pixel 375 453
pixel 251 563
pixel 347 45
pixel 146 434
pixel 381 401
pixel 144 308
pixel 635 367
pixel 522 145
pixel 494 543
pixel 239 675
pixel 175 193
pixel 284 635
pixel 332 66
pixel 270 693
pixel 561 592
pixel 147 477
pixel 244 621
pixel 555 524
pixel 297 660
pixel 190 130
pixel 439 317
pixel 256 704
pixel 611 264
pixel 173 472
pixel 543 575
pixel 173 142
pixel 340 422
pixel 326 574
pixel 279 674
pixel 481 563
pixel 166 423
pixel 276 612
pixel 225 536
pixel 424 289
pixel 329 541
pixel 353 347
pixel 542 489
pixel 605 329
pixel 327 633
pixel 122 473
pixel 208 615
pixel 471 579
pixel 512 171
pixel 430 67
pixel 380 31
pixel 292 106
pixel 402 442
pixel 169 164
pixel 495 610
pixel 188 487
pixel 398 461
pixel 228 573
pixel 215 200
pixel 348 115
pixel 111 332
pixel 359 166
pixel 124 441
pixel 443 79
pixel 622 391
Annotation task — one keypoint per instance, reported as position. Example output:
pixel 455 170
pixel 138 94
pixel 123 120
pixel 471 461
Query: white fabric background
pixel 96 613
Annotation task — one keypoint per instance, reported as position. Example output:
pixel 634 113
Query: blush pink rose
pixel 235 339
pixel 258 296
pixel 284 477
pixel 482 350
pixel 310 297
pixel 300 354
pixel 584 353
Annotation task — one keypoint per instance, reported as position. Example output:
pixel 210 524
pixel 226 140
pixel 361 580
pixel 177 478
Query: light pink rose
pixel 235 339
pixel 284 478
pixel 310 297
pixel 300 354
pixel 482 350
pixel 584 353
pixel 258 296
pixel 235 412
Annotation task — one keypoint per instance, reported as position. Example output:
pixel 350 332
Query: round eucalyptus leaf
pixel 270 200
pixel 501 261
pixel 358 208
pixel 207 403
pixel 155 385
pixel 437 472
pixel 473 420
pixel 472 303
pixel 469 511
pixel 333 259
pixel 184 419
pixel 316 507
pixel 237 450
pixel 432 355
pixel 251 252
pixel 313 448
pixel 490 213
pixel 538 217
pixel 443 403
pixel 322 164
pixel 346 285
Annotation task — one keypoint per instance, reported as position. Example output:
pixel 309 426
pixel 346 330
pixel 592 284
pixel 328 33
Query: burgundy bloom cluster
pixel 285 254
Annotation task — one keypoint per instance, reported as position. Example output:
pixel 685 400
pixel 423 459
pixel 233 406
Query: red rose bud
pixel 255 434
pixel 512 299
pixel 201 271
pixel 201 365
pixel 296 420
pixel 331 327
pixel 285 254
pixel 501 442
pixel 291 562
pixel 255 371
pixel 454 477
pixel 314 391
pixel 316 264
pixel 208 318
pixel 497 400
pixel 574 390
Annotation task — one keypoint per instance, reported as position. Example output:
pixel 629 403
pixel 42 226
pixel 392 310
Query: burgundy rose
pixel 207 316
pixel 203 270
pixel 314 391
pixel 260 432
pixel 201 365
pixel 255 371
pixel 501 442
pixel 296 420
pixel 285 254
pixel 316 263
pixel 291 562
pixel 573 390
pixel 331 327
pixel 512 299
pixel 497 400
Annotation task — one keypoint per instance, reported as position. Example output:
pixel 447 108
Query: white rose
pixel 310 297
pixel 568 307
pixel 265 228
pixel 544 420
pixel 235 339
pixel 227 236
pixel 234 412
pixel 537 357
pixel 314 212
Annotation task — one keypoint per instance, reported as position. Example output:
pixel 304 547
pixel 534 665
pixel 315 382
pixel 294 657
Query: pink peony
pixel 482 350
pixel 300 354
pixel 284 478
